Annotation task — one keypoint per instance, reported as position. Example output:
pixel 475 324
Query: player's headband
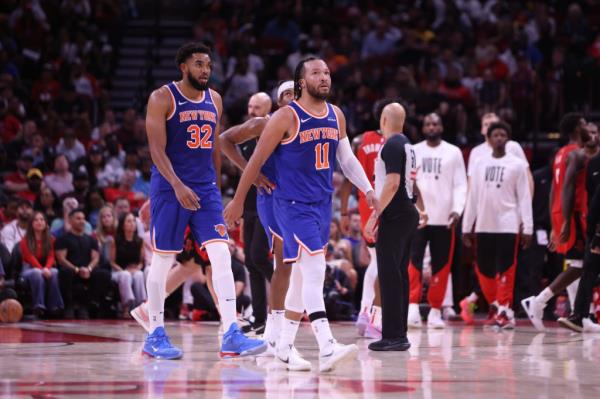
pixel 287 85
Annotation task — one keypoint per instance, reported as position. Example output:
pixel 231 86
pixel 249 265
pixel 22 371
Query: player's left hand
pixel 453 220
pixel 565 232
pixel 233 213
pixel 370 230
pixel 372 201
pixel 526 240
pixel 264 185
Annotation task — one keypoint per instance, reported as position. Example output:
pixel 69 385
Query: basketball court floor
pixel 101 359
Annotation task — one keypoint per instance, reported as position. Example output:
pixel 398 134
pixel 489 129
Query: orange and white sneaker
pixel 467 309
pixel 140 314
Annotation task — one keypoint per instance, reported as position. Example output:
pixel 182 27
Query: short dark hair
pixel 299 74
pixel 499 125
pixel 76 210
pixel 569 123
pixel 379 105
pixel 184 52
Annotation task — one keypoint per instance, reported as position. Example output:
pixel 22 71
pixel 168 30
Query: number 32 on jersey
pixel 199 137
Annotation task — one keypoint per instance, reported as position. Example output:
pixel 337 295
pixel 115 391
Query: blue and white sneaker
pixel 236 344
pixel 157 345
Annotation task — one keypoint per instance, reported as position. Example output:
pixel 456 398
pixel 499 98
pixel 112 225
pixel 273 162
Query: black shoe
pixel 254 329
pixel 390 344
pixel 574 322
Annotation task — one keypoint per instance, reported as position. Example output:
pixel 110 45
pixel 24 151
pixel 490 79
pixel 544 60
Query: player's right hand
pixel 264 185
pixel 187 197
pixel 233 213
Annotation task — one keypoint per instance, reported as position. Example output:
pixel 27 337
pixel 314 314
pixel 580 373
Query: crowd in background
pixel 74 172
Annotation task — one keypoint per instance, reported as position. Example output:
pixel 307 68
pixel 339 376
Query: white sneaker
pixel 140 314
pixel 293 360
pixel 434 319
pixel 589 326
pixel 414 316
pixel 339 353
pixel 448 313
pixel 535 311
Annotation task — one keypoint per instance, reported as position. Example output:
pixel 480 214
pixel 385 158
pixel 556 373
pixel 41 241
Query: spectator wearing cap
pixel 61 181
pixel 60 226
pixel 70 146
pixel 82 282
pixel 34 184
pixel 39 271
pixel 14 231
pixel 17 181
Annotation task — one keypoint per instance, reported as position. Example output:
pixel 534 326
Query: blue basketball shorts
pixel 169 219
pixel 264 207
pixel 304 226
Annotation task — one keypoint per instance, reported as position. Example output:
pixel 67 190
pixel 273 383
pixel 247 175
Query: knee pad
pixel 293 297
pixel 220 259
pixel 313 278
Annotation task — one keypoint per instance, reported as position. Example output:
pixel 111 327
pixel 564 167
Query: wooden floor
pixel 101 359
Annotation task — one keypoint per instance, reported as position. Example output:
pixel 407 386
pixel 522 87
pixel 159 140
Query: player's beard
pixel 314 91
pixel 196 83
pixel 433 136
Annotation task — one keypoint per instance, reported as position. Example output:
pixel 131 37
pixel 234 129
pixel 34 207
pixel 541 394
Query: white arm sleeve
pixel 351 168
pixel 459 195
pixel 525 201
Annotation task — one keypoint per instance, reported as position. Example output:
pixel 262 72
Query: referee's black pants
pixel 260 268
pixel 393 253
pixel 591 269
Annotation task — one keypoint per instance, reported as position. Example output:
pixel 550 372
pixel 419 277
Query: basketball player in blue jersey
pixel 182 123
pixel 235 135
pixel 305 138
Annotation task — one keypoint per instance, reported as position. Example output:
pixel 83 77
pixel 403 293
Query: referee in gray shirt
pixel 394 225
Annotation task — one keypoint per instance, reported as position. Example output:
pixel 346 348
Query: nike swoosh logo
pixel 181 103
pixel 229 300
pixel 305 120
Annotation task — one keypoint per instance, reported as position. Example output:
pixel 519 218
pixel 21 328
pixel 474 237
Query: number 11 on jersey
pixel 322 156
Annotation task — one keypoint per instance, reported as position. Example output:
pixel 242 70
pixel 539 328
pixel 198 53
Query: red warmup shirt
pixel 580 206
pixel 35 259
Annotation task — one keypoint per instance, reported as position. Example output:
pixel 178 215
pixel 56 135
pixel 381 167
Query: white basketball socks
pixel 222 278
pixel 156 285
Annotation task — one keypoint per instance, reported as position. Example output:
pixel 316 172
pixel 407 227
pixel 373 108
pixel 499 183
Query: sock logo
pixel 221 229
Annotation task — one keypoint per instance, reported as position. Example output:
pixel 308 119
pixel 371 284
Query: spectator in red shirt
pixel 17 181
pixel 124 190
pixel 39 271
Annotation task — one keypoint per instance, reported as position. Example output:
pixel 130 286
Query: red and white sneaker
pixel 506 319
pixel 140 314
pixel 492 315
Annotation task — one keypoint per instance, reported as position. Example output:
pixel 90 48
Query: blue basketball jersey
pixel 190 135
pixel 305 161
